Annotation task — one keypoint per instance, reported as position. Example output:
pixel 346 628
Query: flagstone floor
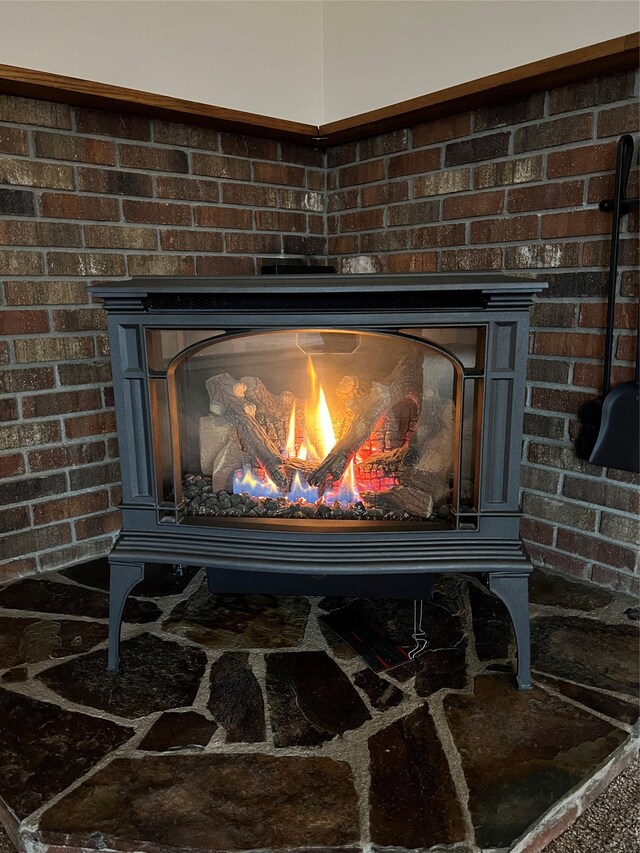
pixel 241 723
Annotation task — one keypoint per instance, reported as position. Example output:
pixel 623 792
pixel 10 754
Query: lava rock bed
pixel 201 500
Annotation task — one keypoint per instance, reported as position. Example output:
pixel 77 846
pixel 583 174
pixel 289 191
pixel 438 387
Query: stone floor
pixel 241 723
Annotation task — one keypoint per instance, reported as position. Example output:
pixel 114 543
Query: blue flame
pixel 245 482
pixel 301 489
pixel 347 491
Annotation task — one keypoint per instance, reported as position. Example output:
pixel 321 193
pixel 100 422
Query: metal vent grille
pixel 319 303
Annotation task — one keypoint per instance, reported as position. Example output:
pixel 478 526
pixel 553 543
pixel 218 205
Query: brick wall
pixel 516 188
pixel 89 195
pixel 86 196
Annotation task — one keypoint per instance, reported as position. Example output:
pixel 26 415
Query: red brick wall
pixel 88 195
pixel 516 188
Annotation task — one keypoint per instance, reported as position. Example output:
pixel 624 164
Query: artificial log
pixel 432 469
pixel 413 501
pixel 272 411
pixel 403 384
pixel 227 397
pixel 346 392
pixel 386 464
pixel 406 498
pixel 293 466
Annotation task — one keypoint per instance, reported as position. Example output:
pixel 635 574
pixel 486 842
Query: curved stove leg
pixel 123 578
pixel 513 590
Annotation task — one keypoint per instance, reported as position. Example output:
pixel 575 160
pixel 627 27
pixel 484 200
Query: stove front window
pixel 317 425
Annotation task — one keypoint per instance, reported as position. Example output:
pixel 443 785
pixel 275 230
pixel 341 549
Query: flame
pixel 319 434
pixel 319 439
pixel 346 490
pixel 290 448
pixel 301 490
pixel 324 425
pixel 246 482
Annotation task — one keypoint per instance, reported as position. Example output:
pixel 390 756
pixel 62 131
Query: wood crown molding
pixel 606 57
pixel 28 83
pixel 618 54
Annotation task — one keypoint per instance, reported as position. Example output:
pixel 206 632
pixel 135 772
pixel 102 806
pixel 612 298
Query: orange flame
pixel 290 448
pixel 320 435
pixel 319 439
pixel 324 425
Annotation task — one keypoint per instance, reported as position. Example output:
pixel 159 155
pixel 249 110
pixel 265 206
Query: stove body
pixel 344 435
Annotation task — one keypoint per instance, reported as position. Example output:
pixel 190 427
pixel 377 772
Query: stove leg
pixel 123 578
pixel 513 590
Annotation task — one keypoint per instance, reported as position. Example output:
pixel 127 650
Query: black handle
pixel 637 376
pixel 606 205
pixel 624 158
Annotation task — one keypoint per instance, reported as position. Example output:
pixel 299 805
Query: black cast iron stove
pixel 343 435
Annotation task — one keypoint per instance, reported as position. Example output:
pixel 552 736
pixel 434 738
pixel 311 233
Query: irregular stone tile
pixel 501 667
pixel 337 645
pixel 448 591
pixel 311 700
pixel 520 752
pixel 440 668
pixel 240 621
pixel 382 695
pixel 159 579
pixel 44 596
pixel 491 624
pixel 611 706
pixel 171 731
pixel 212 802
pixel 43 749
pixel 413 802
pixel 235 700
pixel 558 591
pixel 154 675
pixel 33 640
pixel 13 676
pixel 589 652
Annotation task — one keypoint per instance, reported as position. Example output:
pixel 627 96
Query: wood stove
pixel 331 435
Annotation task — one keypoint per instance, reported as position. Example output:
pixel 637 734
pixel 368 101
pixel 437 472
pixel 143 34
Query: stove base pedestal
pixel 513 590
pixel 123 578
